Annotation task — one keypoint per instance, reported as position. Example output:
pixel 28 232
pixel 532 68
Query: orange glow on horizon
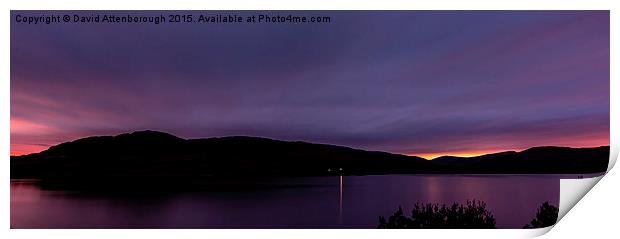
pixel 20 149
pixel 20 153
pixel 431 156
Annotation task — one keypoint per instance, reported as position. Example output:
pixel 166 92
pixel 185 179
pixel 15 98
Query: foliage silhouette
pixel 434 216
pixel 547 215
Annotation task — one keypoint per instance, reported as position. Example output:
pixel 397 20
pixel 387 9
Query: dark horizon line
pixel 299 141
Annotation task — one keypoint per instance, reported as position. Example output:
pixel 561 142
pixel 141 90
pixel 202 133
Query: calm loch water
pixel 318 202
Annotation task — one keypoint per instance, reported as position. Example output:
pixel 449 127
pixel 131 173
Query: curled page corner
pixel 573 190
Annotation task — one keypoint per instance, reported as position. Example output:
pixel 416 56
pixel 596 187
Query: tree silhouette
pixel 547 215
pixel 397 220
pixel 433 216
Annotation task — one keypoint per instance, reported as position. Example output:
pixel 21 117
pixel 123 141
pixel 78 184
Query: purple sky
pixel 413 82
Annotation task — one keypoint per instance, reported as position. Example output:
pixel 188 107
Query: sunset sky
pixel 419 83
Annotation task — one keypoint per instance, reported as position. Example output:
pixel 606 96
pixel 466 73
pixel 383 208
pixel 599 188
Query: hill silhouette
pixel 153 156
pixel 542 160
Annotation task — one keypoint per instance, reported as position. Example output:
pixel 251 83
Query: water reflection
pixel 340 203
pixel 307 203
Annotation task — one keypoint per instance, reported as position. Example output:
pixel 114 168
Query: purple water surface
pixel 318 202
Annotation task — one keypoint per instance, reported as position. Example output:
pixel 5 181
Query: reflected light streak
pixel 340 203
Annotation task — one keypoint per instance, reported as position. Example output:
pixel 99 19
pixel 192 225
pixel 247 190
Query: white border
pixel 279 5
pixel 315 5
